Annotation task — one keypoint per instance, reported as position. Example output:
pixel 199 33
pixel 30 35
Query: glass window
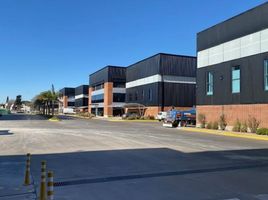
pixel 209 83
pixel 119 85
pixel 150 94
pixel 236 79
pixel 97 98
pixel 266 74
pixel 118 97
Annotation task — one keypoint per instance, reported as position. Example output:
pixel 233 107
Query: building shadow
pixel 170 167
pixel 19 117
pixel 5 132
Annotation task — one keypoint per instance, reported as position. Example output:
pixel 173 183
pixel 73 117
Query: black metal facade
pixel 82 89
pixel 67 91
pixel 83 101
pixel 161 93
pixel 251 68
pixel 108 74
pixel 246 23
pixel 252 89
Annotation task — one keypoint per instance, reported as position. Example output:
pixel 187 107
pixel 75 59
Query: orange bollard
pixel 27 179
pixel 50 186
pixel 43 181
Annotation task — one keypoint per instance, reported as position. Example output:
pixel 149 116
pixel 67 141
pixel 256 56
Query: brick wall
pixel 65 101
pixel 233 112
pixel 89 98
pixel 108 99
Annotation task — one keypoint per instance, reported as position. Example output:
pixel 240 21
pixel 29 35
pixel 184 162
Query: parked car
pixel 128 115
pixel 161 116
pixel 68 111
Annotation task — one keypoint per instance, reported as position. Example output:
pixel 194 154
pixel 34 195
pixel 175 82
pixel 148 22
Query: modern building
pixel 161 82
pixel 107 91
pixel 66 100
pixel 81 98
pixel 232 74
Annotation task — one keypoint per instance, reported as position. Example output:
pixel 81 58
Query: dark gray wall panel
pixel 246 23
pixel 178 65
pixel 81 102
pixel 67 91
pixel 155 92
pixel 108 74
pixel 180 95
pixel 117 74
pixel 144 68
pixel 251 82
pixel 82 89
pixel 99 77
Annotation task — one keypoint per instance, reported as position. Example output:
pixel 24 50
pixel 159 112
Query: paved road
pixel 98 159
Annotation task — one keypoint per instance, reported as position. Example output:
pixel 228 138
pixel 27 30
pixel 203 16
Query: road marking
pixel 262 196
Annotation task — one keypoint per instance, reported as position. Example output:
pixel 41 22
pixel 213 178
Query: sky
pixel 61 42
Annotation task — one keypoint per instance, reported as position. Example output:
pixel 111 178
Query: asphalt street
pixel 104 160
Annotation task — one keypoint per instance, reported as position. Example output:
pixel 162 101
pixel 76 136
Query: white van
pixel 161 116
pixel 68 111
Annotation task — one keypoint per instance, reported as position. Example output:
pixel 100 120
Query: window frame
pixel 265 74
pixel 235 79
pixel 209 83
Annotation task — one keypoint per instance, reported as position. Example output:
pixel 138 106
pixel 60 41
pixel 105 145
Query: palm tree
pixel 46 100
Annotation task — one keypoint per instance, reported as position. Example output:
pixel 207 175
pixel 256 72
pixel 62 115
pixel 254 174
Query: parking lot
pixel 100 159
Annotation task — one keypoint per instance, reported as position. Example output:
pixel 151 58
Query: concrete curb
pixel 111 120
pixel 227 133
pixel 54 120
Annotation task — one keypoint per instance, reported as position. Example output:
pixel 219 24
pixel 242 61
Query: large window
pixel 118 97
pixel 209 83
pixel 266 74
pixel 236 79
pixel 98 87
pixel 97 98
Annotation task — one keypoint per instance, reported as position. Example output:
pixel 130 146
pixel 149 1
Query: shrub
pixel 244 127
pixel 209 125
pixel 222 122
pixel 151 117
pixel 131 117
pixel 262 131
pixel 237 126
pixel 253 124
pixel 202 120
pixel 215 125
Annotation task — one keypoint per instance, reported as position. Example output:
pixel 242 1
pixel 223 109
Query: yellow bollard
pixel 50 186
pixel 27 179
pixel 43 181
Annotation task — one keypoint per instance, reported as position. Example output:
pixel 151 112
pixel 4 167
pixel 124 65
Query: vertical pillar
pixel 108 99
pixel 65 101
pixel 90 89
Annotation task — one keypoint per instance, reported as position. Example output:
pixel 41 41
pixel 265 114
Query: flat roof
pixel 112 66
pixel 167 54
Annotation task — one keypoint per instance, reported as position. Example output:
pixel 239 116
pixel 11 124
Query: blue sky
pixel 63 41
